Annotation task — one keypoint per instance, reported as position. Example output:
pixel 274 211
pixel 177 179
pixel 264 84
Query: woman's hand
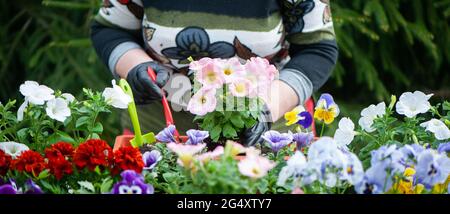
pixel 280 99
pixel 252 136
pixel 144 89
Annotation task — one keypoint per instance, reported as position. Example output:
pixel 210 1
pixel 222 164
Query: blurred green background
pixel 386 47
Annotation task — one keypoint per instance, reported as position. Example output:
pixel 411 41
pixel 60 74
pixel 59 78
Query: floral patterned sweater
pixel 295 35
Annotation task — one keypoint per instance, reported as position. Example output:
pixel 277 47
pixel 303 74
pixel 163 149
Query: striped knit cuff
pixel 298 81
pixel 118 52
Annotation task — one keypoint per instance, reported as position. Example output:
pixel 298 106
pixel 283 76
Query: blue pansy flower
pixel 432 168
pixel 194 42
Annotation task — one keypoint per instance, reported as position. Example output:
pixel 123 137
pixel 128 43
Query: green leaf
pixel 95 136
pixel 249 122
pixel 236 120
pixel 229 131
pixel 84 109
pixel 22 135
pixel 446 106
pixel 215 133
pixel 98 128
pixel 106 185
pixel 227 115
pixel 82 121
pixel 65 137
pixel 170 176
pixel 43 174
pixel 87 185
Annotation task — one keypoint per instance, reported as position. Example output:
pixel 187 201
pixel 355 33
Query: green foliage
pixel 227 124
pixel 38 130
pixel 391 46
pixel 390 130
pixel 385 47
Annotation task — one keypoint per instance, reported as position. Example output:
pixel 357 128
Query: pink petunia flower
pixel 200 64
pixel 230 69
pixel 210 74
pixel 185 152
pixel 205 157
pixel 255 166
pixel 204 101
pixel 241 87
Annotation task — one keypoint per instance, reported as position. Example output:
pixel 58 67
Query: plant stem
pixel 321 131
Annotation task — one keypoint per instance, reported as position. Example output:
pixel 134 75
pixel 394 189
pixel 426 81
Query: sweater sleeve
pixel 116 29
pixel 313 49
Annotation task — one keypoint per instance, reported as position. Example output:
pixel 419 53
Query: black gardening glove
pixel 252 136
pixel 144 89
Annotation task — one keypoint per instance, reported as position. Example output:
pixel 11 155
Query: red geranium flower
pixel 5 161
pixel 59 165
pixel 30 162
pixel 93 153
pixel 128 158
pixel 60 148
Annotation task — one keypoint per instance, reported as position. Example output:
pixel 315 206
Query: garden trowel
pixel 138 139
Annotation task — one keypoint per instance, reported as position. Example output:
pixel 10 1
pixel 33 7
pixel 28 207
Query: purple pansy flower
pixel 432 168
pixel 444 147
pixel 132 183
pixel 151 159
pixel 32 188
pixel 306 121
pixel 277 140
pixel 303 139
pixel 167 135
pixel 9 187
pixel 196 136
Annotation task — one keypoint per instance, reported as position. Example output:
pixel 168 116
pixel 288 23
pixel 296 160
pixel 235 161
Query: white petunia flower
pixel 13 149
pixel 369 114
pixel 21 110
pixel 68 97
pixel 438 128
pixel 345 133
pixel 36 94
pixel 58 109
pixel 116 97
pixel 412 104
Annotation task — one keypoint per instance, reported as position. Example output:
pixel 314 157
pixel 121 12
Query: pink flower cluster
pixel 251 79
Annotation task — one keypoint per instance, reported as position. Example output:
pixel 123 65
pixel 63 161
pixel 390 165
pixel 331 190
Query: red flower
pixel 93 153
pixel 30 162
pixel 60 148
pixel 128 158
pixel 59 166
pixel 5 161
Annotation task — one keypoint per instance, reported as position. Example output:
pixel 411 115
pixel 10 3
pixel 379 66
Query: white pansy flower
pixel 13 149
pixel 412 104
pixel 353 171
pixel 345 134
pixel 36 94
pixel 58 109
pixel 295 165
pixel 369 114
pixel 116 97
pixel 438 128
pixel 68 97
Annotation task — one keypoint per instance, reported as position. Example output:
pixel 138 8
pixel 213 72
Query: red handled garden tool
pixel 165 103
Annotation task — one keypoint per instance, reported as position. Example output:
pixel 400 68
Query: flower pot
pixel 124 140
